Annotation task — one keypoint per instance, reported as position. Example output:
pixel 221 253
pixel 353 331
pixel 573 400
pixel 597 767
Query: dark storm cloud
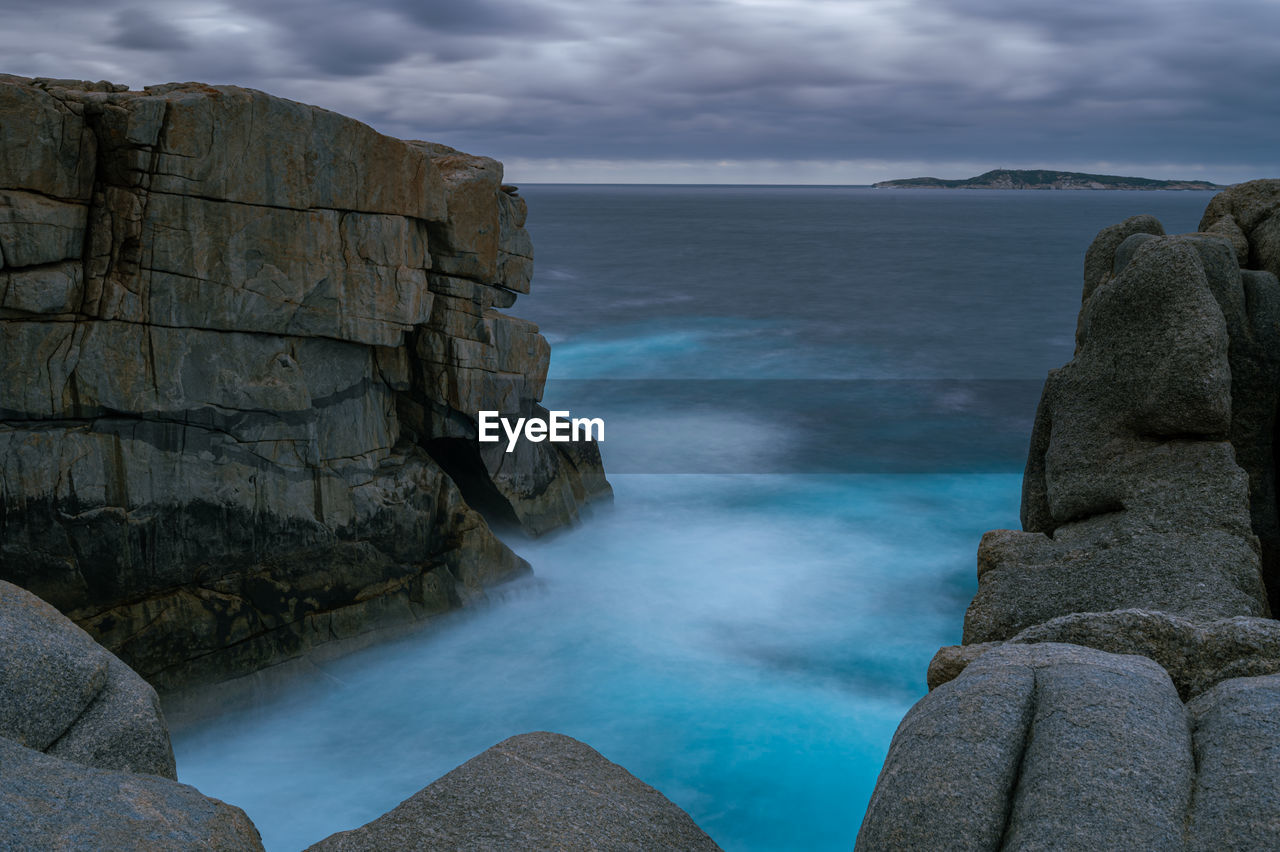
pixel 980 81
pixel 334 37
pixel 479 17
pixel 139 29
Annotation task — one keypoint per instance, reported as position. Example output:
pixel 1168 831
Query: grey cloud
pixel 479 17
pixel 334 37
pixel 140 29
pixel 348 52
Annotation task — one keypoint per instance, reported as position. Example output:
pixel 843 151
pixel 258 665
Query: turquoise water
pixel 746 644
pixel 816 401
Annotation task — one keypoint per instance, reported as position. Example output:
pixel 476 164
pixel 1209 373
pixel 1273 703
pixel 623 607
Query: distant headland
pixel 1044 179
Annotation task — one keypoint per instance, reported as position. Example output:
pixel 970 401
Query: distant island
pixel 1044 179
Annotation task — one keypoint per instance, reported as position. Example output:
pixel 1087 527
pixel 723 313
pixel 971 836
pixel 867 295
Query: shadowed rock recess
pixel 1119 682
pixel 244 342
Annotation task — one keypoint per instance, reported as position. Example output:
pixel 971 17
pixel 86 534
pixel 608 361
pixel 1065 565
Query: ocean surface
pixel 816 401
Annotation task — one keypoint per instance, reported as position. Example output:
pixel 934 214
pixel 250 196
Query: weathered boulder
pixel 1236 736
pixel 245 344
pixel 953 764
pixel 1107 761
pixel 1120 560
pixel 63 694
pixel 1225 226
pixel 533 791
pixel 1036 747
pixel 950 660
pixel 52 804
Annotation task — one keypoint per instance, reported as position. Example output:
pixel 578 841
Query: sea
pixel 816 400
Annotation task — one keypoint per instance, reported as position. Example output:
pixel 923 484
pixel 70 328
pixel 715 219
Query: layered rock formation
pixel 244 344
pixel 1119 682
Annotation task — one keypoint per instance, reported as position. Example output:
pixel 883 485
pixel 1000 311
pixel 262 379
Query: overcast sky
pixel 759 91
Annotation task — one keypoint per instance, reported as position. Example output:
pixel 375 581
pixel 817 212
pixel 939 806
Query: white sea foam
pixel 744 643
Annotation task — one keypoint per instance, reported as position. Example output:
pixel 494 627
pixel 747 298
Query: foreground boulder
pixel 1055 746
pixel 52 804
pixel 65 695
pixel 533 791
pixel 105 779
pixel 245 342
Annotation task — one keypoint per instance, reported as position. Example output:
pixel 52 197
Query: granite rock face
pixel 1117 684
pixel 533 791
pixel 1133 497
pixel 1067 748
pixel 1236 737
pixel 1098 259
pixel 246 341
pixel 1039 747
pixel 1249 216
pixel 1249 213
pixel 52 804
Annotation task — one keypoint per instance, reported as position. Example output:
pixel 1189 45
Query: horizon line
pixel 837 185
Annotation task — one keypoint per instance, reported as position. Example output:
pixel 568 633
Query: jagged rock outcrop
pixel 533 791
pixel 1248 215
pixel 1117 685
pixel 245 341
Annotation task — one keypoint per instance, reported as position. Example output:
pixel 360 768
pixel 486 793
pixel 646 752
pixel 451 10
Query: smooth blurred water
pixel 816 400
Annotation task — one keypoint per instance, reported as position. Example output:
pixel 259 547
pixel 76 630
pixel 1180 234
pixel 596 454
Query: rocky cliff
pixel 244 342
pixel 1119 682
